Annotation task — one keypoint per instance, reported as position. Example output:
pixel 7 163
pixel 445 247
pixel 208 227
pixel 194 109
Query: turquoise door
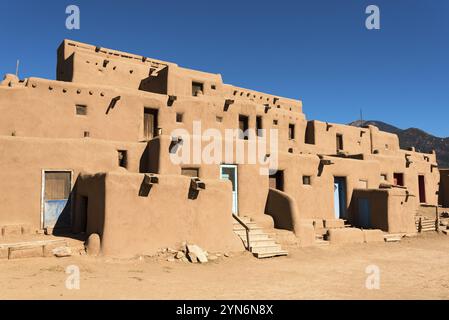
pixel 229 172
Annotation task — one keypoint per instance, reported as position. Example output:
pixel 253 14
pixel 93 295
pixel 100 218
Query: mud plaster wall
pixel 136 224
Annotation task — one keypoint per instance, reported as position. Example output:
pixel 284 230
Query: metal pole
pixel 17 68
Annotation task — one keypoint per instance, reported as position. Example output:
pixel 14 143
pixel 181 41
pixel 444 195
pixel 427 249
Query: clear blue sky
pixel 316 50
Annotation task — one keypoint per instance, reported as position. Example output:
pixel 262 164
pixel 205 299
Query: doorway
pixel 56 188
pixel 340 197
pixel 422 189
pixel 277 181
pixel 150 123
pixel 229 172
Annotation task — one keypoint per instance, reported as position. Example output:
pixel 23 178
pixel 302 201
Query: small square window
pixel 179 117
pixel 306 180
pixel 275 122
pixel 81 110
pixel 197 88
pixel 213 87
pixel 219 119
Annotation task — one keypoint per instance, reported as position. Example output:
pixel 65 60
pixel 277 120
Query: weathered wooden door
pixel 56 192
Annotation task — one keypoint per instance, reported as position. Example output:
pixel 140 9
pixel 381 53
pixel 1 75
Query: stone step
pixel 264 249
pixel 254 237
pixel 270 254
pixel 392 237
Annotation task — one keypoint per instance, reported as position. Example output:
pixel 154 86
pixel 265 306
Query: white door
pixel 229 172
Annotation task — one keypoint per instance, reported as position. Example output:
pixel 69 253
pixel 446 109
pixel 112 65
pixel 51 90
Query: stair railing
pixel 246 229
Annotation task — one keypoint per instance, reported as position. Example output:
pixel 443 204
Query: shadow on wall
pixel 282 208
pixel 69 224
pixel 149 161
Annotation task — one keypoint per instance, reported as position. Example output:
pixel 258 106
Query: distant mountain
pixel 413 137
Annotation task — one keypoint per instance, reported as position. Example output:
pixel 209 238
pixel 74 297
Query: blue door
pixel 56 210
pixel 364 213
pixel 229 172
pixel 340 197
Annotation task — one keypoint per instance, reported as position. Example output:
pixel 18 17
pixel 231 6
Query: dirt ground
pixel 416 268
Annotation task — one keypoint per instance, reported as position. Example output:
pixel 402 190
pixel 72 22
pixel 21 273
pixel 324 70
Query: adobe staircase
pixel 261 244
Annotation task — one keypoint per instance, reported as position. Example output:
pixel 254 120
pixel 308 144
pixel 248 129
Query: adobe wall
pixel 136 224
pixel 391 210
pixel 23 160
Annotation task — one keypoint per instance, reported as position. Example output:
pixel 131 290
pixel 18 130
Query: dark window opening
pixel 150 123
pixel 213 87
pixel 291 131
pixel 219 119
pixel 422 189
pixel 306 180
pixel 310 133
pixel 81 110
pixel 275 122
pixel 259 126
pixel 339 142
pixel 398 179
pixel 290 150
pixel 179 117
pixel 123 158
pixel 277 181
pixel 86 134
pixel 243 126
pixel 197 87
pixel 190 172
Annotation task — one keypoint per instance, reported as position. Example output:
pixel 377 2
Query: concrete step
pixel 260 243
pixel 392 237
pixel 319 242
pixel 270 254
pixel 255 237
pixel 244 219
pixel 250 225
pixel 242 232
pixel 264 249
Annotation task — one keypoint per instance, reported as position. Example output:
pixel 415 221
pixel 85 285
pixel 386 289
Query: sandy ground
pixel 416 268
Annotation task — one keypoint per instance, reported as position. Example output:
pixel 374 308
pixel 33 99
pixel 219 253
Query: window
pixel 306 180
pixel 291 131
pixel 259 126
pixel 275 122
pixel 243 126
pixel 219 119
pixel 190 172
pixel 213 87
pixel 81 110
pixel 123 158
pixel 179 117
pixel 398 179
pixel 86 134
pixel 197 87
pixel 339 142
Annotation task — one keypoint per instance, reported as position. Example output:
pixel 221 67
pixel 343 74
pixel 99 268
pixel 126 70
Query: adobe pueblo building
pixel 92 153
